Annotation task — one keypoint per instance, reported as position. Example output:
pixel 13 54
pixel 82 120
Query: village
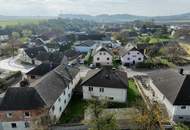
pixel 136 74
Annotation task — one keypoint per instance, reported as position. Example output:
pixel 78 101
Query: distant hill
pixel 3 17
pixel 127 18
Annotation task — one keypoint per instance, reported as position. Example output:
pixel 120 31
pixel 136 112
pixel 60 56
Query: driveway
pixel 12 64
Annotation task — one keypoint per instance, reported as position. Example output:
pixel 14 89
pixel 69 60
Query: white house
pixel 102 56
pixel 172 89
pixel 105 83
pixel 130 55
pixel 4 38
pixel 47 97
pixel 33 55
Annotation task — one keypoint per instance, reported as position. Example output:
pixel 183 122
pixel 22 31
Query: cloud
pixel 93 7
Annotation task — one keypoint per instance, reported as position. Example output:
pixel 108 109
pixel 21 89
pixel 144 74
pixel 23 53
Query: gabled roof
pixel 42 69
pixel 35 51
pixel 173 85
pixel 129 47
pixel 101 48
pixel 106 77
pixel 86 43
pixel 52 85
pixel 18 98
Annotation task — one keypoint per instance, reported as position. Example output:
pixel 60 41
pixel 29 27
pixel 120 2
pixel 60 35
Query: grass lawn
pixel 15 22
pixel 74 112
pixel 133 93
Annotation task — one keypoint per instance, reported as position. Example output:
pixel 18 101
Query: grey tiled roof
pixel 173 85
pixel 52 85
pixel 106 77
pixel 19 98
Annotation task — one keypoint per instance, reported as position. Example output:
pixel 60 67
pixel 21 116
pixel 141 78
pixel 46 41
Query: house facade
pixel 172 89
pixel 130 55
pixel 102 56
pixel 19 113
pixel 44 101
pixel 106 84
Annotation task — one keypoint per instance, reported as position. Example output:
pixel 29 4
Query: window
pixel 33 76
pixel 69 95
pixel 111 98
pixel 90 89
pixel 138 53
pixel 9 115
pixel 128 58
pixel 98 58
pixel 183 107
pixel 59 99
pixel 104 53
pixel 100 53
pixel 180 117
pixel 27 114
pixel 60 109
pixel 65 101
pixel 108 58
pixel 13 125
pixel 128 53
pixel 53 108
pixel 139 58
pixel 64 92
pixel 27 124
pixel 102 90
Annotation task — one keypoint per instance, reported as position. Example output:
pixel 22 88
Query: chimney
pixel 181 71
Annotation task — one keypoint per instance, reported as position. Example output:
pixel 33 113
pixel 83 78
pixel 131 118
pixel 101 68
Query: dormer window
pixel 26 114
pixel 9 115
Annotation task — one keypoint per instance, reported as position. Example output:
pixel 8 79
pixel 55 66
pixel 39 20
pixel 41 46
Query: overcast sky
pixel 93 7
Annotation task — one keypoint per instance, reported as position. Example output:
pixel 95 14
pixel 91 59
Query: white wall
pixel 20 126
pixel 102 55
pixel 182 114
pixel 119 95
pixel 25 58
pixel 60 102
pixel 170 108
pixel 132 56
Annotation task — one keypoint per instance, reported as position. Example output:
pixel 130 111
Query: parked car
pixel 92 66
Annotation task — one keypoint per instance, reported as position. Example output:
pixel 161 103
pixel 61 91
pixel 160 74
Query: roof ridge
pixel 92 76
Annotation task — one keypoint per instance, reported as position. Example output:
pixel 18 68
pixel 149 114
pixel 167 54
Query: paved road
pixel 12 65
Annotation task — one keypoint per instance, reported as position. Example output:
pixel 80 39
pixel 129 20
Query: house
pixel 34 107
pixel 102 56
pixel 130 55
pixel 40 70
pixel 33 55
pixel 105 83
pixel 172 89
pixel 52 47
pixel 20 109
pixel 4 38
pixel 71 54
pixel 85 46
pixel 56 88
pixel 35 41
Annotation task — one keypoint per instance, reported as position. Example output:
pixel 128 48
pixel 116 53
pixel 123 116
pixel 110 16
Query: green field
pixel 4 23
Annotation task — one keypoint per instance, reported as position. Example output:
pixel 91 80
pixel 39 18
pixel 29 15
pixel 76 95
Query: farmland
pixel 14 22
